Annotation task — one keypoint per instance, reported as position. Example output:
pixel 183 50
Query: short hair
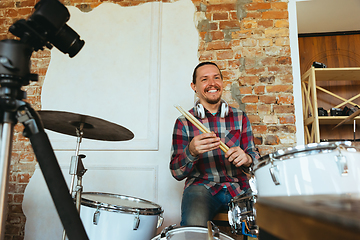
pixel 202 64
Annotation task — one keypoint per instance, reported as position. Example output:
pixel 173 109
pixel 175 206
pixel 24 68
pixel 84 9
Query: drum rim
pixel 284 154
pixel 178 228
pixel 122 209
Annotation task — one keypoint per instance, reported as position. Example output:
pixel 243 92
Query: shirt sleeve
pixel 247 140
pixel 182 162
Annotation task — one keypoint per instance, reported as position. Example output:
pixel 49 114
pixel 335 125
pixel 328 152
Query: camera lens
pixel 67 41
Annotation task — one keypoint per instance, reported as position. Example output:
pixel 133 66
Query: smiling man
pixel 212 176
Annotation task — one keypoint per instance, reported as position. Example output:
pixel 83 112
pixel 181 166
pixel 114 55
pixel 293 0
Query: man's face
pixel 209 85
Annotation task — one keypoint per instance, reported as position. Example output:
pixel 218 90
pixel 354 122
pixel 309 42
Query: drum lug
pixel 164 233
pixel 274 172
pixel 160 221
pixel 342 164
pixel 96 217
pixel 136 221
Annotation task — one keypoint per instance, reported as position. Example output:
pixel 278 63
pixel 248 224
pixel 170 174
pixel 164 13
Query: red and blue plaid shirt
pixel 212 169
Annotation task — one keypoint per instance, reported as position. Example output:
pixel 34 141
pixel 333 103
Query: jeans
pixel 198 205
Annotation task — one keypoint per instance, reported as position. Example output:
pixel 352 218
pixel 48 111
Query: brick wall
pixel 249 40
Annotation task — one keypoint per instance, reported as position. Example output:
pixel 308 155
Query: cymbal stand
pixel 77 168
pixel 74 159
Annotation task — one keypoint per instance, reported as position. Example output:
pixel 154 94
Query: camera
pixel 336 112
pixel 318 65
pixel 322 112
pixel 47 27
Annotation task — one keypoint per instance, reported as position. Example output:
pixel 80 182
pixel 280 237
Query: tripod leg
pixel 51 171
pixel 5 157
pixel 57 187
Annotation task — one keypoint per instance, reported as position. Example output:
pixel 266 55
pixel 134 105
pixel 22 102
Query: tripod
pixel 46 26
pixel 47 161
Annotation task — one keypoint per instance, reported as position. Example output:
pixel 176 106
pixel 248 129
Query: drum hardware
pixel 212 227
pixel 252 181
pixel 136 221
pixel 274 170
pixel 77 169
pixel 96 216
pixel 160 221
pixel 165 232
pixel 342 163
pixel 242 214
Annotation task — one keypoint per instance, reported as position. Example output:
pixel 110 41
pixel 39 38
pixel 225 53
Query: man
pixel 212 176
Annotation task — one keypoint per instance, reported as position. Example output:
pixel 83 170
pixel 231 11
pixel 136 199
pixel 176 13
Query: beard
pixel 216 100
pixel 213 101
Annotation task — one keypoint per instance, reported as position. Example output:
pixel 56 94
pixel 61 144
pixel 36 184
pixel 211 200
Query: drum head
pixel 303 150
pixel 190 233
pixel 119 203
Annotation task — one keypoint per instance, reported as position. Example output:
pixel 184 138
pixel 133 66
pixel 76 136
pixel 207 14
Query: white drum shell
pixel 117 221
pixel 190 233
pixel 117 225
pixel 312 174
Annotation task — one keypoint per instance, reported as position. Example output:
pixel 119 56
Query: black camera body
pixel 322 112
pixel 336 112
pixel 46 27
pixel 318 65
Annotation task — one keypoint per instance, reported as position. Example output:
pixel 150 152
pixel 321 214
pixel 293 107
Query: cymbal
pixel 355 114
pixel 93 128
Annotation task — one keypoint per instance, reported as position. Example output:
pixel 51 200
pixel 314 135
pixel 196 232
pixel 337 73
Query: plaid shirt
pixel 212 169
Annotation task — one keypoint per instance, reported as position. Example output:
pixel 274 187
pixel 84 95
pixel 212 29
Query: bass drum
pixel 188 233
pixel 113 217
pixel 313 169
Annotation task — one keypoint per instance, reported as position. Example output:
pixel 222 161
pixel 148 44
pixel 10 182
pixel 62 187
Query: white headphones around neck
pixel 200 111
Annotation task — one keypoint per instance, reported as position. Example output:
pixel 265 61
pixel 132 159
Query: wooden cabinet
pixel 310 82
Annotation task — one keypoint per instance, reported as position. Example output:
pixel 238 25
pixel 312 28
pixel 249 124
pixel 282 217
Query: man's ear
pixel 193 87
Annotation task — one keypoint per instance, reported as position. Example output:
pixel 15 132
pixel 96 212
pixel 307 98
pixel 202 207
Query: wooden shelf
pixel 309 90
pixel 336 119
pixel 337 74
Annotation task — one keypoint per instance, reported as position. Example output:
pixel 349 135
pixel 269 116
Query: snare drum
pixel 188 233
pixel 242 215
pixel 113 217
pixel 313 169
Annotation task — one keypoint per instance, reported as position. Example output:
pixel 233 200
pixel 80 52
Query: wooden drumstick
pixel 199 125
pixel 210 233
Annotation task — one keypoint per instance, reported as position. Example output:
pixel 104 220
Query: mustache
pixel 210 87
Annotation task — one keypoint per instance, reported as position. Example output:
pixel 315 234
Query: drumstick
pixel 199 125
pixel 210 233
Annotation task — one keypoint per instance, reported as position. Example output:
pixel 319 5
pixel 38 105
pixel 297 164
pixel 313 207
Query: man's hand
pixel 238 157
pixel 203 143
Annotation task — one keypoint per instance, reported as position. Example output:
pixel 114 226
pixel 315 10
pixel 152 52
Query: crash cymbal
pixel 93 128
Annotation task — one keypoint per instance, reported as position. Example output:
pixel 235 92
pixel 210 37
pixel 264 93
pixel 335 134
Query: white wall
pixel 135 66
pixel 296 72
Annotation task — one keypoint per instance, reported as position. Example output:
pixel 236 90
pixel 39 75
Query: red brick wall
pixel 253 53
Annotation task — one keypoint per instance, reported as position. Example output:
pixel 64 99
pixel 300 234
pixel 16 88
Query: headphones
pixel 200 111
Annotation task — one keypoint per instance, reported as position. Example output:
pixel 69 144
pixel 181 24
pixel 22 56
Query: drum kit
pixel 316 168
